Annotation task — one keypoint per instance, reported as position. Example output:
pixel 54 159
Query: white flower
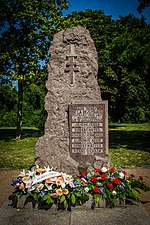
pixel 49 187
pixel 104 169
pixel 71 184
pixel 121 175
pixel 47 169
pixel 32 188
pixel 30 173
pixel 86 189
pixel 63 185
pixel 28 184
pixel 67 178
pixel 22 173
pixel 88 175
pixel 114 192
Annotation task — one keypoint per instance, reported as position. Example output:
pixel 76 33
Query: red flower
pixel 124 172
pixel 103 176
pixel 96 190
pixel 112 169
pixel 93 179
pixel 116 180
pixel 83 174
pixel 141 178
pixel 98 170
pixel 110 186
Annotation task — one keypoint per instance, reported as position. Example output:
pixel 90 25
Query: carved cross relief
pixel 71 65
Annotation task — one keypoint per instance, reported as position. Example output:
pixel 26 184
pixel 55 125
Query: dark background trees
pixel 26 30
pixel 142 5
pixel 123 48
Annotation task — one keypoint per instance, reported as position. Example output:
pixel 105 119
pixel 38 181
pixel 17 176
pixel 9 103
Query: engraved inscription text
pixel 87 129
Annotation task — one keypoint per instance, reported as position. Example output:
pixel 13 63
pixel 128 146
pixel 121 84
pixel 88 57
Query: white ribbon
pixel 44 176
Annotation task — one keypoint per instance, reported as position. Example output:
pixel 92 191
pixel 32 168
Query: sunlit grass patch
pixel 131 158
pixel 17 153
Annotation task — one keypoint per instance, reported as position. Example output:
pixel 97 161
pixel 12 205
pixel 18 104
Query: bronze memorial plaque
pixel 88 130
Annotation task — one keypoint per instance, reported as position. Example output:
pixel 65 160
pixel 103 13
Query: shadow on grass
pixel 130 140
pixel 10 133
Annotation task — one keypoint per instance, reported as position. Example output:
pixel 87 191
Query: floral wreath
pixel 46 187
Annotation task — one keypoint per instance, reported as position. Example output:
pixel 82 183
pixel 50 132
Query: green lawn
pixel 129 146
pixel 17 153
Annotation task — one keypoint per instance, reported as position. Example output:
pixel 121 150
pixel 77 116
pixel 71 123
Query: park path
pixel 6 177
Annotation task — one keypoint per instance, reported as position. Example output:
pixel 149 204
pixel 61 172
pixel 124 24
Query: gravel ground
pixel 6 177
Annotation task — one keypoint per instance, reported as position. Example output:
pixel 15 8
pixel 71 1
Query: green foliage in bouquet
pixel 113 185
pixel 45 187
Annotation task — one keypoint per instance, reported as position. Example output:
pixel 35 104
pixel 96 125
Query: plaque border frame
pixel 105 131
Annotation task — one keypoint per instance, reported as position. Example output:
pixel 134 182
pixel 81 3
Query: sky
pixel 110 7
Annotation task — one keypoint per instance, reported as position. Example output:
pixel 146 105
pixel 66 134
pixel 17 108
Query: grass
pixel 129 146
pixel 17 153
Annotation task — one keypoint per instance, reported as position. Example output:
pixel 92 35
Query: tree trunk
pixel 19 113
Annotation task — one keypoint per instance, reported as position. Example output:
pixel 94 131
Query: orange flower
pixel 59 192
pixel 21 186
pixel 40 170
pixel 58 182
pixel 65 192
pixel 60 178
pixel 48 180
pixel 54 195
pixel 40 186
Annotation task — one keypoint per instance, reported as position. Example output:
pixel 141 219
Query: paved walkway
pixel 83 215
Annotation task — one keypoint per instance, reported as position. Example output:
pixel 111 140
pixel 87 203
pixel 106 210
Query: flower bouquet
pixel 45 187
pixel 112 185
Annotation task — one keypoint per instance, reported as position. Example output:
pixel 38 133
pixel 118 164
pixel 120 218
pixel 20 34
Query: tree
pixel 33 106
pixel 8 103
pixel 123 58
pixel 142 5
pixel 26 30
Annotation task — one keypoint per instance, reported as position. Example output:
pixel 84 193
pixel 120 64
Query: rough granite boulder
pixel 72 79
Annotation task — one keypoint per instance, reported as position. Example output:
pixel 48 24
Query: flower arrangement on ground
pixel 46 187
pixel 113 185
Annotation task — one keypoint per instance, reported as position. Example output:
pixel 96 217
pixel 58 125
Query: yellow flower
pixel 65 191
pixel 59 192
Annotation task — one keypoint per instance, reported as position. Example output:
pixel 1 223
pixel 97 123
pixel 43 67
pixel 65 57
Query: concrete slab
pixel 123 215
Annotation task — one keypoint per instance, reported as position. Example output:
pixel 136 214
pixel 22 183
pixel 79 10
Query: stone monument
pixel 76 130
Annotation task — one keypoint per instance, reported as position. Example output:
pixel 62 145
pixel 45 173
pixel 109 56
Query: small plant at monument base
pixel 45 187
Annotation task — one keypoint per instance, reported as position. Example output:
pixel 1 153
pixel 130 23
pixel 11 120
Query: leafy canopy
pixel 26 30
